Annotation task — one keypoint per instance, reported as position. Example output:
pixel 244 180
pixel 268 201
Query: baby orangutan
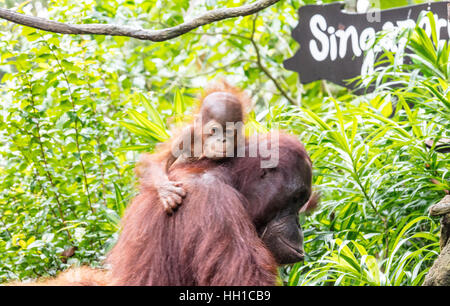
pixel 216 133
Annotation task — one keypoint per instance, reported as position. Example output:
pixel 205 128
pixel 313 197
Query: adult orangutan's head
pixel 276 195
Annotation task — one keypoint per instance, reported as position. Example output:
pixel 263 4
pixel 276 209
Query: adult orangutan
pixel 213 238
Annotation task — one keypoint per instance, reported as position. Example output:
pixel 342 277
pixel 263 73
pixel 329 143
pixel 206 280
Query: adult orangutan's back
pixel 208 241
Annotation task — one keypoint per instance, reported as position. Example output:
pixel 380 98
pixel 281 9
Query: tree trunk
pixel 439 274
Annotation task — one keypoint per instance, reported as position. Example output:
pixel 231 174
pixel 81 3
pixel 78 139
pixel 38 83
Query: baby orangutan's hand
pixel 171 195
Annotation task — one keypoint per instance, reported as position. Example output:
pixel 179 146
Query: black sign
pixel 338 46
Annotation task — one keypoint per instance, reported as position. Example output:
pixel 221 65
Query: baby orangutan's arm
pixel 152 173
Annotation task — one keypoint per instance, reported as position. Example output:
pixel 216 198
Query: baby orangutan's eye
pixel 214 131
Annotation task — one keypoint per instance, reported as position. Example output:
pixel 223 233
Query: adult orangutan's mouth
pixel 298 251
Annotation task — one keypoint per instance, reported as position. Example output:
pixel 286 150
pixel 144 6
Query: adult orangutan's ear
pixel 312 203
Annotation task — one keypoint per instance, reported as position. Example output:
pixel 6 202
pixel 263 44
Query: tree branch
pixel 258 61
pixel 118 30
pixel 265 70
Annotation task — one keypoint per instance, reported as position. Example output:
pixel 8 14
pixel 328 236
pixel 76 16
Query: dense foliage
pixel 76 111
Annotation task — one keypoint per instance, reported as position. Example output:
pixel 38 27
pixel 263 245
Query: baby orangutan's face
pixel 221 125
pixel 218 141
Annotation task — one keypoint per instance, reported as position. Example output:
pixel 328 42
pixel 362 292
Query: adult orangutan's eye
pixel 263 173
